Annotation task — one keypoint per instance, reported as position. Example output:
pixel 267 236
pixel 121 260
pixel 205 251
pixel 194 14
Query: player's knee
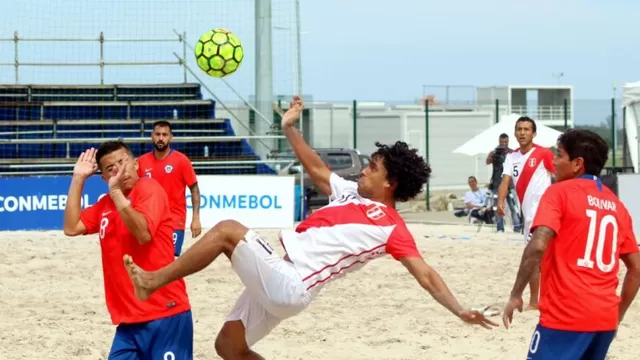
pixel 228 345
pixel 231 230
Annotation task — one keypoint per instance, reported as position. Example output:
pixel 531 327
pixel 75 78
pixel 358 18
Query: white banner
pixel 256 201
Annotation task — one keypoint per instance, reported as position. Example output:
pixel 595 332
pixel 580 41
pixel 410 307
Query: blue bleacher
pixel 65 112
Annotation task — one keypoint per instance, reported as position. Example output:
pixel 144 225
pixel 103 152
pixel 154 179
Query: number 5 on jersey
pixel 607 231
pixel 515 171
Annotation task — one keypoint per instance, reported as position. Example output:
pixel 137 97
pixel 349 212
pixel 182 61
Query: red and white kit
pixel 531 174
pixel 333 241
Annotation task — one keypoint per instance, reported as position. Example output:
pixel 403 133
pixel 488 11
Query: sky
pixel 351 49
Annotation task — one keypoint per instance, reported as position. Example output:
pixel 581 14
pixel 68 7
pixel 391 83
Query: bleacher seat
pixel 49 114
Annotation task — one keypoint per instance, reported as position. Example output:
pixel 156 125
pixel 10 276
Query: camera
pixel 500 150
pixel 499 154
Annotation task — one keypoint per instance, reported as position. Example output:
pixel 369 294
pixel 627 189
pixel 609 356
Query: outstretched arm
pixel 431 281
pixel 531 258
pixel 311 161
pixel 84 167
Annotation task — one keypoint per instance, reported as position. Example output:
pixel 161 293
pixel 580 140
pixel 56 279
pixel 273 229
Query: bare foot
pixel 141 279
pixel 531 307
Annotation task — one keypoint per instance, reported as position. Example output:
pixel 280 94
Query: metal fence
pixel 101 40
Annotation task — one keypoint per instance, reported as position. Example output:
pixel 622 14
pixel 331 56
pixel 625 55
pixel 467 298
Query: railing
pixel 181 60
pixel 64 165
pixel 17 63
pixel 142 127
pixel 545 112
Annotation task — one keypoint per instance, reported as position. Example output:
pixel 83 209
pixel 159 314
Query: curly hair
pixel 588 145
pixel 405 168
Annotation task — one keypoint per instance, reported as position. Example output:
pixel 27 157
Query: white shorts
pixel 274 290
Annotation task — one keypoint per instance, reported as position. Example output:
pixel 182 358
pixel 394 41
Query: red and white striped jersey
pixel 531 174
pixel 344 235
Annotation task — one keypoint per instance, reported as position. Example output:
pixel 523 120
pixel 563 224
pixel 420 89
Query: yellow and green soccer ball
pixel 219 52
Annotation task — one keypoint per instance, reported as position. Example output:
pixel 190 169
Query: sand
pixel 52 303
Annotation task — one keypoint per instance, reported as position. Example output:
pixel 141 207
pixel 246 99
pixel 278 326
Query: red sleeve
pixel 548 161
pixel 551 209
pixel 151 201
pixel 188 174
pixel 90 217
pixel 402 245
pixel 141 166
pixel 629 241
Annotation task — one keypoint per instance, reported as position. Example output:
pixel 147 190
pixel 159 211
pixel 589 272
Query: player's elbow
pixel 144 237
pixel 71 230
pixel 632 263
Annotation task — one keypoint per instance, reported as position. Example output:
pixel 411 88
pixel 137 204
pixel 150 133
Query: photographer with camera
pixel 496 158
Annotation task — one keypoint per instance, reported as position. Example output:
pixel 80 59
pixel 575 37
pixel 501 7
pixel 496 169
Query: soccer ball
pixel 219 52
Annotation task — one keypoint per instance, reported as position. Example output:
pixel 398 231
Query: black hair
pixel 588 145
pixel 504 136
pixel 162 123
pixel 405 168
pixel 527 119
pixel 108 147
pixel 472 177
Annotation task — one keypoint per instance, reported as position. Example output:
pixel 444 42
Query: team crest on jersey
pixel 168 169
pixel 375 213
pixel 532 162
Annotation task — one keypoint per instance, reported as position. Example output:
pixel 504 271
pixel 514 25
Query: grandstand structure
pixel 44 128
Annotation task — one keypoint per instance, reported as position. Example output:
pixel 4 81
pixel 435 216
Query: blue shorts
pixel 178 240
pixel 569 345
pixel 165 339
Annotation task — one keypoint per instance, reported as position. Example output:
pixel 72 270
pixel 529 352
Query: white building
pixel 332 125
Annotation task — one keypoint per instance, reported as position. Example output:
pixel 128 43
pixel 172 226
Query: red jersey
pixel 116 240
pixel 175 174
pixel 579 270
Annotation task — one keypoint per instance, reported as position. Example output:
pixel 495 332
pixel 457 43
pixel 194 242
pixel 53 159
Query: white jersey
pixel 531 174
pixel 344 235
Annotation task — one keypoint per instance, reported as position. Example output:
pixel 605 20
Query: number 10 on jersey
pixel 607 235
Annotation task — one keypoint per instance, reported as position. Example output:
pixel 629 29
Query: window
pixel 364 159
pixel 338 161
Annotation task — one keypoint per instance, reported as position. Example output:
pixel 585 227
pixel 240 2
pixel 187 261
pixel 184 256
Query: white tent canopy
pixel 631 100
pixel 487 140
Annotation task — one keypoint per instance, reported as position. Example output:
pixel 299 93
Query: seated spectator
pixel 475 201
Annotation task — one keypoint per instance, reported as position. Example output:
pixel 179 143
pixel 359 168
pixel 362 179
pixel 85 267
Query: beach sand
pixel 52 303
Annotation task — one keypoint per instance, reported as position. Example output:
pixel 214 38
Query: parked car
pixel 347 163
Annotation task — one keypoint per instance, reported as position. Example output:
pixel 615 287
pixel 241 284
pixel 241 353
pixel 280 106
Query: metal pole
pixel 15 55
pixel 299 90
pixel 101 58
pixel 625 158
pixel 299 47
pixel 497 111
pixel 566 114
pixel 426 151
pixel 264 69
pixel 184 54
pixel 613 132
pixel 279 124
pixel 355 124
